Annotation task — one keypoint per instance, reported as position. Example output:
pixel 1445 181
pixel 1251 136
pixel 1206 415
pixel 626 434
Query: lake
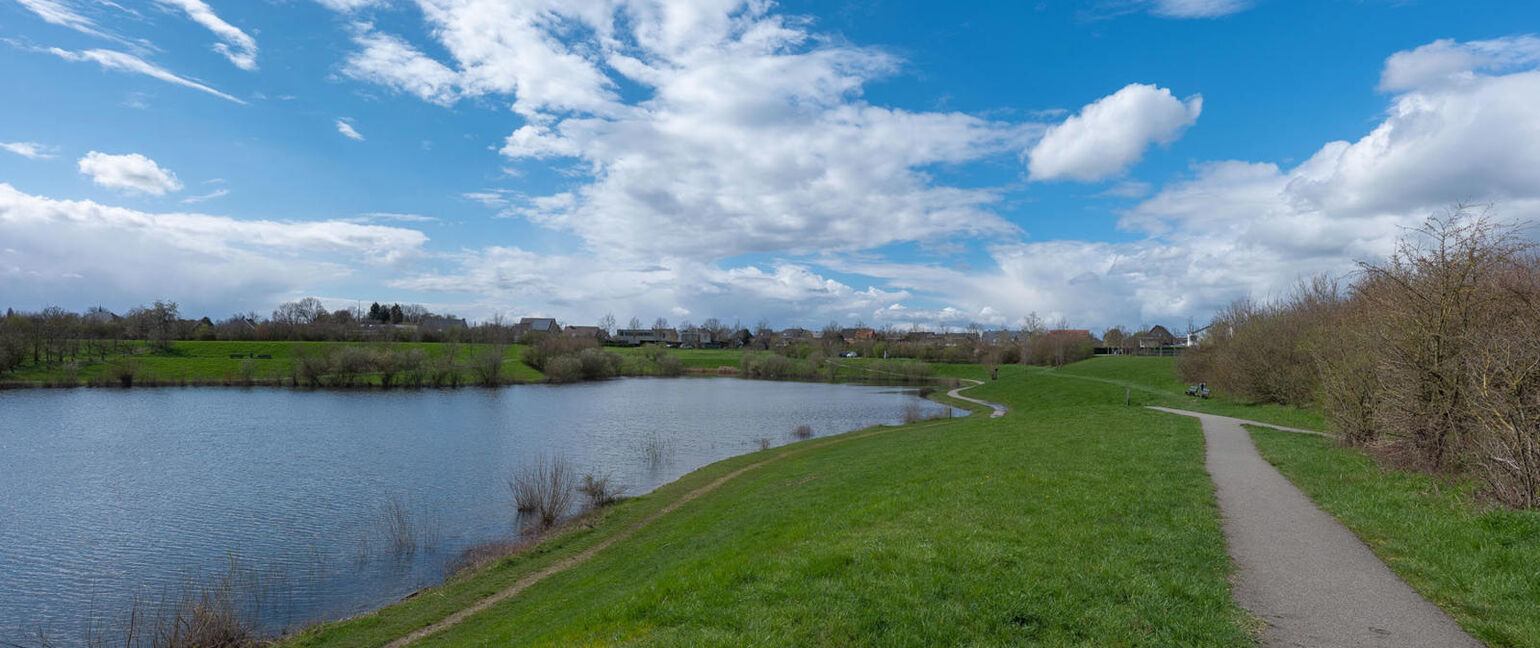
pixel 108 495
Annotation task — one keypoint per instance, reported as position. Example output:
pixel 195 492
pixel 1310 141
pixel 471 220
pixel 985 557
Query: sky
pixel 882 162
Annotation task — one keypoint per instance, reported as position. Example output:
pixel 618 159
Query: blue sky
pixel 908 163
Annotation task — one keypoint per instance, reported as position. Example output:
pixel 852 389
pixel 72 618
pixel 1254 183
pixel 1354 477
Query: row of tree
pixel 1431 357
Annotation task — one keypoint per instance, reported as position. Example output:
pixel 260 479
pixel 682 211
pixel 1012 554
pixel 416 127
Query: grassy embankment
pixel 1074 521
pixel 209 363
pixel 1153 381
pixel 1480 563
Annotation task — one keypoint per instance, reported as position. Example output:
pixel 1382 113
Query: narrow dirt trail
pixel 1310 578
pixel 999 410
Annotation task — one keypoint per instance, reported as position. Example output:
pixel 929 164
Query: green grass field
pixel 1073 522
pixel 1153 381
pixel 1479 563
pixel 196 362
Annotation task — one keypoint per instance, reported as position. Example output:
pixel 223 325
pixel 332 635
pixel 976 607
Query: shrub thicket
pixel 1429 358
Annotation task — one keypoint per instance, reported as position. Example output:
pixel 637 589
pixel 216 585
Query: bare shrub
pixel 347 364
pixel 597 363
pixel 564 369
pixel 600 491
pixel 246 371
pixel 655 449
pixel 544 490
pixel 487 364
pixel 1430 299
pixel 670 365
pixel 400 528
pixel 914 413
pixel 803 432
pixel 219 613
pixel 764 443
pixel 125 371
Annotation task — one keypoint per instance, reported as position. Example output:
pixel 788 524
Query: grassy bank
pixel 210 363
pixel 1153 381
pixel 1479 563
pixel 1075 521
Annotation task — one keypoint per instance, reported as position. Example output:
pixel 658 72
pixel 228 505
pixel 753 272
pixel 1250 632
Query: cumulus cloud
pixel 755 124
pixel 29 150
pixel 131 173
pixel 348 131
pixel 569 285
pixel 234 44
pixel 97 253
pixel 124 62
pixel 1112 133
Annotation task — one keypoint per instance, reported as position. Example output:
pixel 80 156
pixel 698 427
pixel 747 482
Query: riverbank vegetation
pixel 1427 359
pixel 887 536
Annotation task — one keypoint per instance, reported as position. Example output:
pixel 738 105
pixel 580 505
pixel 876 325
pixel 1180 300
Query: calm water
pixel 106 495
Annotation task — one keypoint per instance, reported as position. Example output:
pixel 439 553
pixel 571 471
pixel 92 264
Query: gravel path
pixel 1313 581
pixel 999 410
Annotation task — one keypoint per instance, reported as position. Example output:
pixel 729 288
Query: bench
pixel 1195 390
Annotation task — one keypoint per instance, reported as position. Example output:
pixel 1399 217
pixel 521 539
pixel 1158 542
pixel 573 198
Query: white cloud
pixel 29 149
pixel 236 45
pixel 84 252
pixel 348 131
pixel 123 62
pixel 1112 133
pixel 1199 8
pixel 350 5
pixel 131 173
pixel 217 193
pixel 394 63
pixel 387 216
pixel 1446 61
pixel 64 14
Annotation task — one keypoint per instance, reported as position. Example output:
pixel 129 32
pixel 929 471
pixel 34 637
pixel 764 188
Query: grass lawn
pixel 1481 564
pixel 1153 381
pixel 210 362
pixel 1073 522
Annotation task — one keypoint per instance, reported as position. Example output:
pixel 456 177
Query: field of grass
pixel 1153 381
pixel 1074 521
pixel 1481 564
pixel 197 362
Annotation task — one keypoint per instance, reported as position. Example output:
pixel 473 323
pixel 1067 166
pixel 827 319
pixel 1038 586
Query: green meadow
pixel 1075 521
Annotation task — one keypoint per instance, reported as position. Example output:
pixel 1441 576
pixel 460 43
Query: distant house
pixel 695 338
pixel 921 337
pixel 539 324
pixel 858 334
pixel 439 324
pixel 1077 335
pixel 586 332
pixel 1155 338
pixel 1000 337
pixel 638 337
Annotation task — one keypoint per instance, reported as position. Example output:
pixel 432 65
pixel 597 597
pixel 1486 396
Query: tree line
pixel 1430 358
